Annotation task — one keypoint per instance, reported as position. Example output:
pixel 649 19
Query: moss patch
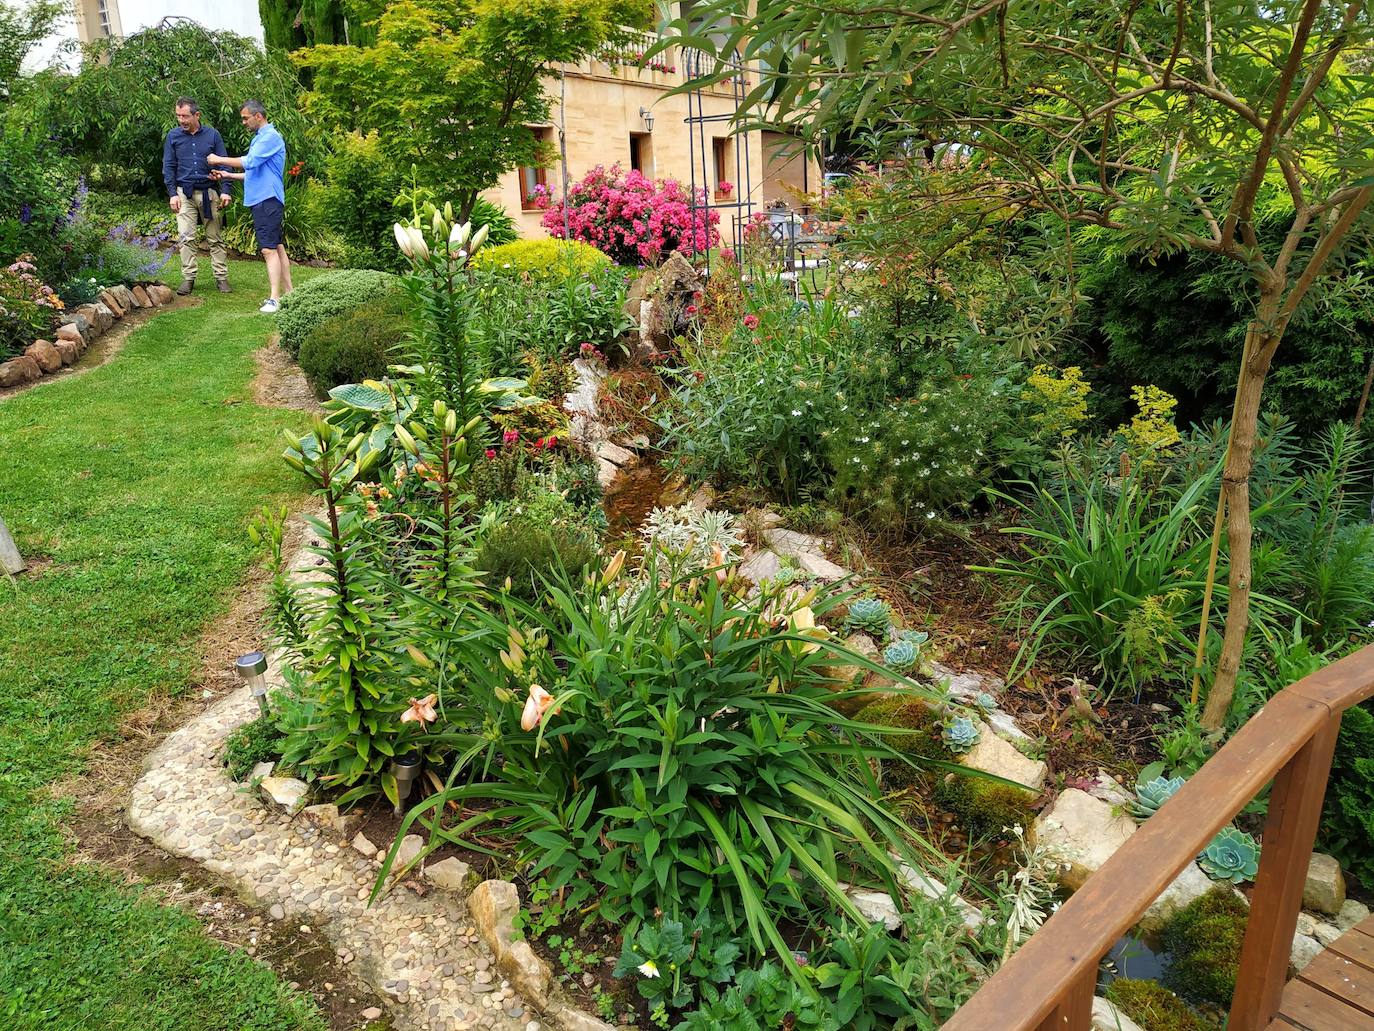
pixel 1203 940
pixel 923 742
pixel 984 806
pixel 1153 1006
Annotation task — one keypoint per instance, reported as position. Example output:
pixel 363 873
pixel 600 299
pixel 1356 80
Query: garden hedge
pixel 543 257
pixel 355 345
pixel 329 294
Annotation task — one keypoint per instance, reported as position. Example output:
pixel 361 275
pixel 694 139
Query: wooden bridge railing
pixel 1049 983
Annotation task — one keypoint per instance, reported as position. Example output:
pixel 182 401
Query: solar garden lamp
pixel 406 770
pixel 252 668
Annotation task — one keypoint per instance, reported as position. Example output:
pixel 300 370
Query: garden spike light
pixel 406 770
pixel 253 669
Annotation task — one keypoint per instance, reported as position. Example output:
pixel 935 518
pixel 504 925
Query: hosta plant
pixel 869 615
pixel 900 656
pixel 960 734
pixel 1232 856
pixel 1151 794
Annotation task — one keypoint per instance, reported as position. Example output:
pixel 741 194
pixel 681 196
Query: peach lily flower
pixel 421 710
pixel 535 706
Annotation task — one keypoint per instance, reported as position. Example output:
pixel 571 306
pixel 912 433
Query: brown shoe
pixel 223 285
pixel 186 286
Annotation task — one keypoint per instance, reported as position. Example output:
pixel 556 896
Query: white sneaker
pixel 269 307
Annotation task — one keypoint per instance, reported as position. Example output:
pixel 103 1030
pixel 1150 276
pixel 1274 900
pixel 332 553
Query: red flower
pixel 691 309
pixel 701 376
pixel 510 437
pixel 491 453
pixel 552 442
pixel 751 322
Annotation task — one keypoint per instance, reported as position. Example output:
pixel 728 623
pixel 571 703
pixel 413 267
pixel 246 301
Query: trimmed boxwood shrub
pixel 528 538
pixel 355 345
pixel 543 257
pixel 1203 940
pixel 328 294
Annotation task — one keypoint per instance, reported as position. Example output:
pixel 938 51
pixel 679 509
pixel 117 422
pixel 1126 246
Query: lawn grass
pixel 136 480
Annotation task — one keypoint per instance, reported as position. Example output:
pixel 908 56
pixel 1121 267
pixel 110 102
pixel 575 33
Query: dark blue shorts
pixel 267 220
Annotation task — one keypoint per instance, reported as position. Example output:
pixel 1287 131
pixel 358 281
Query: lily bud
pixel 451 424
pixel 407 441
pixel 440 228
pixel 448 211
pixel 613 568
pixel 403 239
pixel 459 236
pixel 478 238
pixel 418 247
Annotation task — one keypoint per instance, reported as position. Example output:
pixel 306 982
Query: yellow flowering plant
pixel 1058 399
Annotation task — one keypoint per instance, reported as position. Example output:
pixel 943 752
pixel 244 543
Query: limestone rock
pixel 263 769
pixel 702 498
pixel 1326 934
pixel 287 792
pixel 609 451
pixel 43 352
pixel 761 566
pixel 1081 833
pixel 141 298
pixel 1191 884
pixel 82 322
pixel 847 674
pixel 1324 890
pixel 1109 789
pixel 1003 724
pixel 108 298
pixel 104 317
pixel 794 544
pixel 763 518
pixel 578 1020
pixel 18 371
pixel 527 972
pixel 1107 1017
pixel 411 846
pixel 876 906
pixel 70 331
pixel 450 873
pixel 494 905
pixel 160 293
pixel 965 687
pixel 328 817
pixel 993 755
pixel 371 1013
pixel 125 296
pixel 362 843
pixel 68 351
pixel 821 567
pixel 934 889
pixel 582 398
pixel 1351 913
pixel 606 472
pixel 1304 951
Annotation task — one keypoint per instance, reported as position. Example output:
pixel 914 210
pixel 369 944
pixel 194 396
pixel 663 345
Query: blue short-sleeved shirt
pixel 264 166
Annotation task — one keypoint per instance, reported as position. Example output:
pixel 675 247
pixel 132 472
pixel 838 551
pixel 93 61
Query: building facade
pixel 615 109
pixel 97 19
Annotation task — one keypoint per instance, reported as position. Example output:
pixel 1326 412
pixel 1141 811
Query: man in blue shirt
pixel 264 195
pixel 192 192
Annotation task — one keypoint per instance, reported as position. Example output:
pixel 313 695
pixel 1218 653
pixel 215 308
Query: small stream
pixel 630 498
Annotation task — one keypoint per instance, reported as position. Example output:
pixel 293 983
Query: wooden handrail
pixel 1050 981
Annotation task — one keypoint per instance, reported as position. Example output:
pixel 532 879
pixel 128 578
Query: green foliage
pixel 670 960
pixel 289 25
pixel 1203 941
pixel 543 257
pixel 267 531
pixel 145 216
pixel 41 198
pixel 361 184
pixel 451 86
pixel 116 112
pixel 22 27
pixel 869 615
pixel 983 806
pixel 325 296
pixel 256 741
pixel 1151 794
pixel 1153 1006
pixel 1232 856
pixel 960 734
pixel 306 224
pixel 526 539
pixel 355 345
pixel 1347 827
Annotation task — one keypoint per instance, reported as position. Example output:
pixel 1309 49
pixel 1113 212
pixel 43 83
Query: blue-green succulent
pixel 960 734
pixel 900 656
pixel 916 637
pixel 985 701
pixel 1151 794
pixel 1232 856
pixel 869 615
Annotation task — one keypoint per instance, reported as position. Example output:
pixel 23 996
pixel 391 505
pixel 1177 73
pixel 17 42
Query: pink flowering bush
pixel 634 219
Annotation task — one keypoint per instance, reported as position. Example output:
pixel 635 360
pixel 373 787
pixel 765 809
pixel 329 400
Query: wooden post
pixel 10 558
pixel 1074 1010
pixel 1295 807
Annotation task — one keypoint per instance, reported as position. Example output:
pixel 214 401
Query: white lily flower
pixel 402 239
pixel 418 246
pixel 458 236
pixel 535 706
pixel 649 968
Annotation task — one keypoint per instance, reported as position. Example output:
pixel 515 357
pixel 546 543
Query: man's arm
pixel 220 150
pixel 224 161
pixel 169 176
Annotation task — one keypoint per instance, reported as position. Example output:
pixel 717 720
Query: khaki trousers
pixel 188 218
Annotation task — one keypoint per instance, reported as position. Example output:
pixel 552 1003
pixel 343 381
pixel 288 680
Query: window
pixel 534 179
pixel 722 153
pixel 641 153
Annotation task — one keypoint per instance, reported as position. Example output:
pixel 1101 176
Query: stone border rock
pixel 79 329
pixel 425 953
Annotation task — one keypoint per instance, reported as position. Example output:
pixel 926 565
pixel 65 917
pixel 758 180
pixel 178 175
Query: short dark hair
pixel 188 102
pixel 253 107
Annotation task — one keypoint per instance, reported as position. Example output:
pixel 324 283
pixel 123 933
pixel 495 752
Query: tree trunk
pixel 1235 486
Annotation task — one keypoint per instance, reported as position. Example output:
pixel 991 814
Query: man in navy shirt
pixel 193 193
pixel 264 195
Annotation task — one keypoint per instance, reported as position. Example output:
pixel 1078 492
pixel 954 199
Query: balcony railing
pixel 1050 982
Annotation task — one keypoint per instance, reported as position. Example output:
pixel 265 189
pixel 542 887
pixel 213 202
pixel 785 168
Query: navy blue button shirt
pixel 183 160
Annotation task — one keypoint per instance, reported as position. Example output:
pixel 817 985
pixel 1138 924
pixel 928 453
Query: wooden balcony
pixel 1050 982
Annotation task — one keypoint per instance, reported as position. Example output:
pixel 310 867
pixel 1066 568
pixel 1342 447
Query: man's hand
pixel 175 203
pixel 224 200
pixel 215 159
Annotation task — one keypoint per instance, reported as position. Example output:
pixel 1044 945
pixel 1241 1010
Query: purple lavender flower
pixel 26 213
